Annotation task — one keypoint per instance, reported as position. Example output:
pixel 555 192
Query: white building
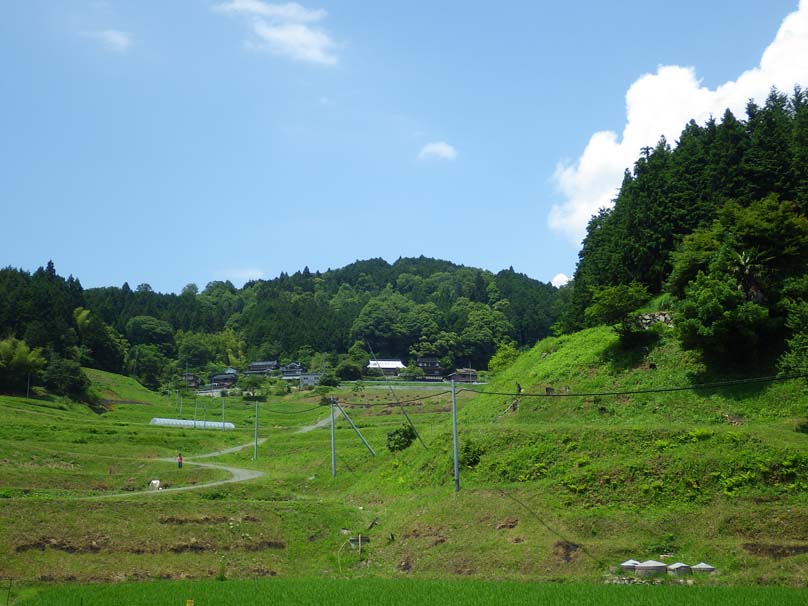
pixel 388 367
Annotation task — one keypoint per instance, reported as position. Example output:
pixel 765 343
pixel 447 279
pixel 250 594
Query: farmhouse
pixel 431 367
pixel 293 370
pixel 227 378
pixel 261 368
pixel 389 368
pixel 465 375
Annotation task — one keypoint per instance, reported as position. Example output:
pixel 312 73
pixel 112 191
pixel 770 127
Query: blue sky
pixel 199 140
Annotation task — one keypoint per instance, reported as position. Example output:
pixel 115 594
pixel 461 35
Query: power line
pixel 398 402
pixel 579 394
pixel 546 525
pixel 393 393
pixel 293 412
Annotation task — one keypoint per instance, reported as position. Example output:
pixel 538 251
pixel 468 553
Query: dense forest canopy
pixel 413 307
pixel 717 224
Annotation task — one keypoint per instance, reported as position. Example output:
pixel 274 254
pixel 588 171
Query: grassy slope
pixel 565 488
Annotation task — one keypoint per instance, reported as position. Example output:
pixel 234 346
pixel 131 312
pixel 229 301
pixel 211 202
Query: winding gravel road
pixel 237 474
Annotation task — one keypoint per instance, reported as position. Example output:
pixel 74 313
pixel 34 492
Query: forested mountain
pixel 413 307
pixel 719 224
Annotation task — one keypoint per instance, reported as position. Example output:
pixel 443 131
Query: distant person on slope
pixel 179 460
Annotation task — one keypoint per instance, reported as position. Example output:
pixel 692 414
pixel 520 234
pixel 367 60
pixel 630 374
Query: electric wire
pixel 292 412
pixel 547 526
pixel 715 385
pixel 409 401
pixel 403 410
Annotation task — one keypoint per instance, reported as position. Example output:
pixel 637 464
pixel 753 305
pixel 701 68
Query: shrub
pixel 401 438
pixel 65 377
pixel 470 454
pixel 329 379
pixel 348 370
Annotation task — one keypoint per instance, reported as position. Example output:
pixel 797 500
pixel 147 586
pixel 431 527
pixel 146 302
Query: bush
pixel 65 377
pixel 401 438
pixel 470 454
pixel 348 370
pixel 413 372
pixel 329 379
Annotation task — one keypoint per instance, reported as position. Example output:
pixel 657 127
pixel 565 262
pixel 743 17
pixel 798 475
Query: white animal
pixel 154 485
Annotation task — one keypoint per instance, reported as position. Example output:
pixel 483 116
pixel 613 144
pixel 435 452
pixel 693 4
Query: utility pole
pixel 454 438
pixel 255 447
pixel 194 412
pixel 333 443
pixel 222 413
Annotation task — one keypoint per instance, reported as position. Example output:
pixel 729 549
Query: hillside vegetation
pixel 718 226
pixel 558 487
pixel 333 321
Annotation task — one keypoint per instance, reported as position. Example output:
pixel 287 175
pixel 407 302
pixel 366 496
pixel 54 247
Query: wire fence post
pixel 333 443
pixel 454 438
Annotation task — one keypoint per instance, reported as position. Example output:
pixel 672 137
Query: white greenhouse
pixel 191 423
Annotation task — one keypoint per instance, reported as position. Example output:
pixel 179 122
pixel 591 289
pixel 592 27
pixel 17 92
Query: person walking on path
pixel 179 460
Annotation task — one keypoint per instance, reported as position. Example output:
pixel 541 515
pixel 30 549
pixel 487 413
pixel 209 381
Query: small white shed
pixel 629 565
pixel 679 569
pixel 703 567
pixel 650 568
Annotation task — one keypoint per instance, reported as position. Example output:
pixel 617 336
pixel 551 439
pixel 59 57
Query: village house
pixel 389 368
pixel 464 375
pixel 293 370
pixel 431 367
pixel 310 379
pixel 227 378
pixel 261 368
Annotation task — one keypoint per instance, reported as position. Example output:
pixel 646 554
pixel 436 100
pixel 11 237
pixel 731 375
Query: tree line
pixel 334 319
pixel 714 229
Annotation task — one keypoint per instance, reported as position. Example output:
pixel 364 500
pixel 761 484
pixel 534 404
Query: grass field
pixel 554 488
pixel 315 592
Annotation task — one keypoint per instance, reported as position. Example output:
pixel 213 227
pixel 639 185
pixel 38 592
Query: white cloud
pixel 661 104
pixel 559 280
pixel 112 39
pixel 296 41
pixel 437 149
pixel 283 29
pixel 291 11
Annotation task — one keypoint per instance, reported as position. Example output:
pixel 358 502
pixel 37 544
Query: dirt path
pixel 237 474
pixel 325 422
pixel 217 453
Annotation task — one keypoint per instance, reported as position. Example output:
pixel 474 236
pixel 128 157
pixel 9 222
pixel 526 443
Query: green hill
pixel 561 487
